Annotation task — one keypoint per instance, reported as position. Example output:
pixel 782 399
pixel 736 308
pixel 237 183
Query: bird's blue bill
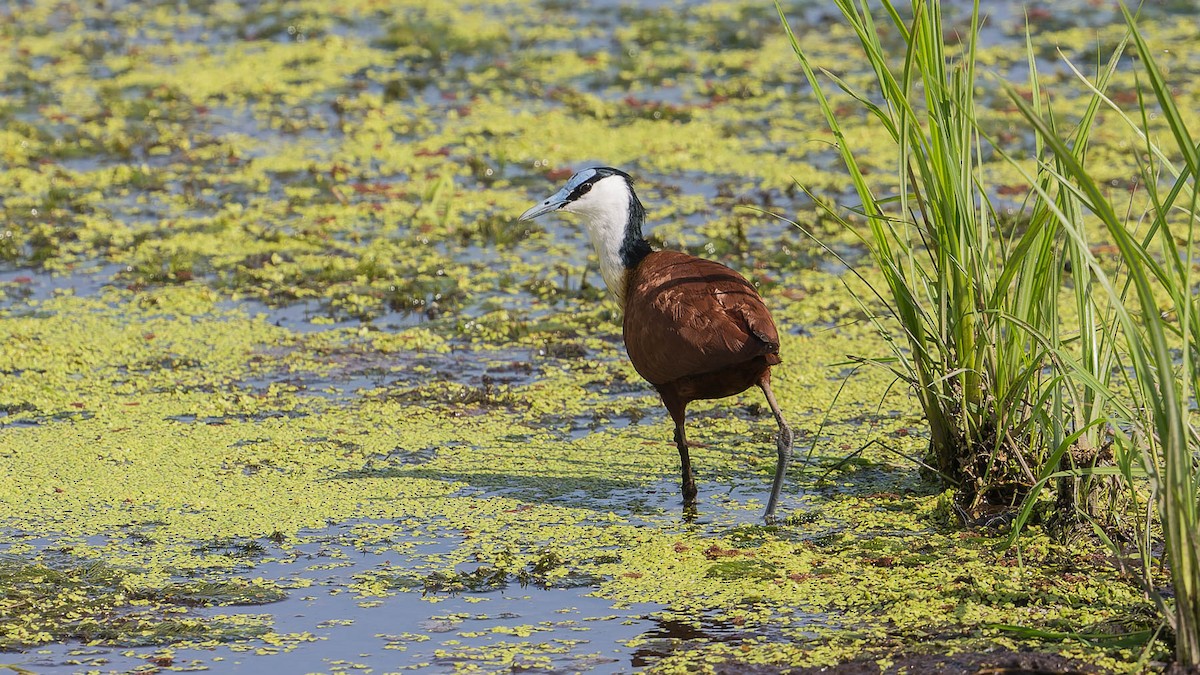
pixel 562 197
pixel 553 203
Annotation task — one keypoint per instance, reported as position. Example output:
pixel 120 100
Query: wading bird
pixel 694 329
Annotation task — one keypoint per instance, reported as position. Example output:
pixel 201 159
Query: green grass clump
pixel 1154 325
pixel 967 302
pixel 1025 386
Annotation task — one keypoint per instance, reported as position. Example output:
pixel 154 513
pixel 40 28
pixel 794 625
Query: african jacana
pixel 694 329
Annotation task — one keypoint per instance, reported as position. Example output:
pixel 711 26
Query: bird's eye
pixel 579 191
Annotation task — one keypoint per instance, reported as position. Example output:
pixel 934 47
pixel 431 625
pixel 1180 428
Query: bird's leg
pixel 783 443
pixel 685 465
pixel 678 410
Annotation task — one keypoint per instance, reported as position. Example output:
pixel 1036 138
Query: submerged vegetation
pixel 279 367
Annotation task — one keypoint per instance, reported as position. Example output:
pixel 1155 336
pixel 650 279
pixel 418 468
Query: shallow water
pixel 328 627
pixel 406 631
pixel 263 300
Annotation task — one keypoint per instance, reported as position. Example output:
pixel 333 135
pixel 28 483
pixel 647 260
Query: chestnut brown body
pixel 696 329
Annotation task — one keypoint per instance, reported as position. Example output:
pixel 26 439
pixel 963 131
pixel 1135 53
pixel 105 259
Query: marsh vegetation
pixel 1087 394
pixel 279 368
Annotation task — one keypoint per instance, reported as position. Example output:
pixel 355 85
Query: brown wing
pixel 689 316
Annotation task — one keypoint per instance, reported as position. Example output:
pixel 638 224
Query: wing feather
pixel 688 316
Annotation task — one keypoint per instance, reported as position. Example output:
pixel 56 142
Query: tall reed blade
pixel 976 377
pixel 1155 430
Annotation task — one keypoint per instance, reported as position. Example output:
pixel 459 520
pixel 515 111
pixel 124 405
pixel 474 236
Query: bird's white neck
pixel 607 231
pixel 618 242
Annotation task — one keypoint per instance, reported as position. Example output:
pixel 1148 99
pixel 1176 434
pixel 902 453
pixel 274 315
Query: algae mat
pixel 283 385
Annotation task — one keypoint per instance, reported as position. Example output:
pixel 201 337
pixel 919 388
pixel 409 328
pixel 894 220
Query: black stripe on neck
pixel 634 246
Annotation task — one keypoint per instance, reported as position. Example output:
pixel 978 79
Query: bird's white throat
pixel 605 212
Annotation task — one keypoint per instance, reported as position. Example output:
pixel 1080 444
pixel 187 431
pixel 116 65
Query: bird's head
pixel 613 215
pixel 599 192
